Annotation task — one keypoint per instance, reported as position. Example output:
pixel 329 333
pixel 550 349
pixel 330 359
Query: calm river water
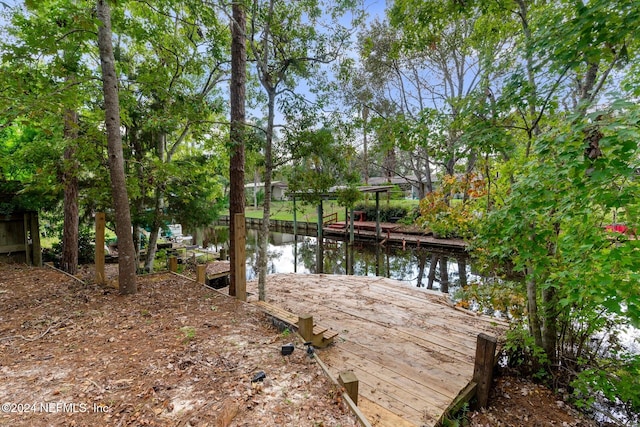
pixel 421 267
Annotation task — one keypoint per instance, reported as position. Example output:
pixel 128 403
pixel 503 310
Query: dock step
pixel 322 336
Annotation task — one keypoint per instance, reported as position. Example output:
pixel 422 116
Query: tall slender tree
pixel 126 250
pixel 46 36
pixel 289 41
pixel 70 235
pixel 238 117
pixel 172 57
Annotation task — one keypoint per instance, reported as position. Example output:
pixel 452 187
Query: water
pixel 420 267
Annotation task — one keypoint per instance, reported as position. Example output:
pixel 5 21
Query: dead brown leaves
pixel 175 354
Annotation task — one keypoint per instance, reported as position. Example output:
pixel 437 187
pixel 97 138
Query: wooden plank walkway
pixel 412 351
pixel 388 235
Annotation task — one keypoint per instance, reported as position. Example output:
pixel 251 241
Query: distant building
pixel 19 231
pixel 409 184
pixel 278 189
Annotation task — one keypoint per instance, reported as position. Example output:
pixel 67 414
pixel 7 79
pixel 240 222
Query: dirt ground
pixel 178 354
pixel 516 402
pixel 175 354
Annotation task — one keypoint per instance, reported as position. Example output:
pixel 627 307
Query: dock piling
pixel 349 381
pixel 200 273
pixel 173 264
pixel 483 369
pixel 305 326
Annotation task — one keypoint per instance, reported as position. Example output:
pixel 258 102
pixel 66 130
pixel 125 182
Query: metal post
pixel 351 228
pixel 378 215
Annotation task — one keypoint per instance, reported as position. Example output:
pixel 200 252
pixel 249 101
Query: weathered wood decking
pixel 412 352
pixel 389 233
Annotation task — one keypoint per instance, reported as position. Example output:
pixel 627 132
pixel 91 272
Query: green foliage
pixel 286 333
pixel 387 213
pixel 452 218
pixel 188 334
pixel 503 297
pixel 348 196
pixel 523 354
pixel 86 246
pixel 457 419
pixel 259 198
pixel 411 217
pixel 551 230
pixel 323 163
pixel 194 194
pixel 615 380
pixel 162 258
pixel 396 193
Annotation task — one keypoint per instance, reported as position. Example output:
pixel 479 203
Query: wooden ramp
pixel 412 352
pixel 388 234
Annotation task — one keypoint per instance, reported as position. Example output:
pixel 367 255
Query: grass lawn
pixel 283 210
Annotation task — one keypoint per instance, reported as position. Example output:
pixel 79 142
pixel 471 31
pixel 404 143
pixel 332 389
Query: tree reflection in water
pixel 422 267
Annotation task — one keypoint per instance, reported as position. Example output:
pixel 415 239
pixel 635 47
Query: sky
pixel 375 9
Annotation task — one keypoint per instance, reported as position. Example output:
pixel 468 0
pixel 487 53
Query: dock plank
pixel 430 376
pixel 413 389
pixel 380 416
pixel 411 350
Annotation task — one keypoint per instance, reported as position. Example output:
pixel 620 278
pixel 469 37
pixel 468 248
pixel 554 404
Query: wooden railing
pixel 330 219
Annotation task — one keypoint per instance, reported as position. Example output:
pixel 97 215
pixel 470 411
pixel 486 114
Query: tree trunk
pixel 462 271
pixel 158 209
pixel 432 270
pixel 389 164
pixel 126 251
pixel 255 189
pixel 532 308
pixel 156 223
pixel 268 170
pixel 422 261
pixel 523 11
pixel 444 274
pixel 550 323
pixel 70 235
pixel 138 204
pixel 471 164
pixel 429 183
pixel 237 101
pixel 365 115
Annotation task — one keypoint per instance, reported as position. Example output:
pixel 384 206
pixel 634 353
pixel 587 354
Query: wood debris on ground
pixel 175 354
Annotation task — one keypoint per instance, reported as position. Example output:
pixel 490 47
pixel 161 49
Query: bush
pixel 259 197
pixel 86 248
pixel 524 355
pixel 387 214
pixel 447 218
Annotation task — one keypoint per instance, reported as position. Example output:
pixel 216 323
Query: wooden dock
pixel 389 233
pixel 411 350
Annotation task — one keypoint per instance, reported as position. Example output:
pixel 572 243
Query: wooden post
pixel 305 326
pixel 295 221
pixel 200 273
pixel 462 270
pixel 351 227
pixel 377 215
pixel 99 255
pixel 25 228
pixel 239 265
pixel 483 369
pixel 35 240
pixel 173 264
pixel 432 270
pixel 320 248
pixel 444 274
pixel 349 381
pixel 320 219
